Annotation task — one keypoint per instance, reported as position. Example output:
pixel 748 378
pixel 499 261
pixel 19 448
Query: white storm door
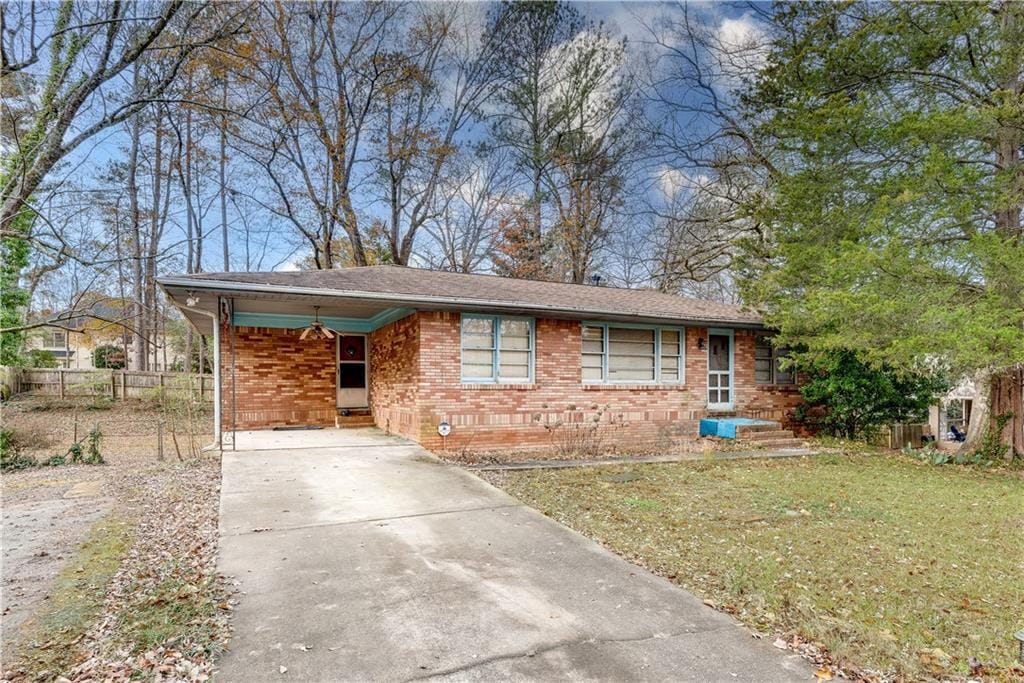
pixel 720 390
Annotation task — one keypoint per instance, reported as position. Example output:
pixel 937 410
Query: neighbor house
pixel 503 362
pixel 69 346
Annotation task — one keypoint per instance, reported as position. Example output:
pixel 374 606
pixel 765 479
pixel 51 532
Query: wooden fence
pixel 116 384
pixel 899 435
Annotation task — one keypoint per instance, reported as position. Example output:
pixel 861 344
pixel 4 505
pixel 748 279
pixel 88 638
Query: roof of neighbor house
pixel 416 287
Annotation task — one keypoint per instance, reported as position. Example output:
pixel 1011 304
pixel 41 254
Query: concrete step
pixel 776 443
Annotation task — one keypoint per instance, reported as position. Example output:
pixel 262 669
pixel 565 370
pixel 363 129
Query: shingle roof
pixel 420 285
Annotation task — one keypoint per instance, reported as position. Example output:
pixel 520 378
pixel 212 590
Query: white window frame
pixel 680 381
pixel 495 377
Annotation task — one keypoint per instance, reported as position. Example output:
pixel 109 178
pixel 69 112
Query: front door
pixel 720 371
pixel 352 371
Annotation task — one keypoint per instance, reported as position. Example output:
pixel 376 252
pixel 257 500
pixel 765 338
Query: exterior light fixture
pixel 191 299
pixel 700 343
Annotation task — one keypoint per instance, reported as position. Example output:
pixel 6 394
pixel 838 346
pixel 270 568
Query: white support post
pixel 216 377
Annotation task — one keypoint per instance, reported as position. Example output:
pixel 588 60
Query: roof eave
pixel 427 301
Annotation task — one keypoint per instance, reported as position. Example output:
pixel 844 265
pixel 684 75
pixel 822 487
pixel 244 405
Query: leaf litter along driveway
pixel 373 561
pixel 109 570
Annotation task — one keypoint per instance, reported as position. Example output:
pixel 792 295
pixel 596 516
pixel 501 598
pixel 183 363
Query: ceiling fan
pixel 316 328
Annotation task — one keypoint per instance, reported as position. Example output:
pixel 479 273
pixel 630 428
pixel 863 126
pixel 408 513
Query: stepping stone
pixel 85 489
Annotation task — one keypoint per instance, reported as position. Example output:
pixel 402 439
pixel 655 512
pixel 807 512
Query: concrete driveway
pixel 373 561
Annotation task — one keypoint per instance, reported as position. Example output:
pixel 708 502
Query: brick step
pixel 355 420
pixel 765 435
pixel 352 412
pixel 771 426
pixel 776 443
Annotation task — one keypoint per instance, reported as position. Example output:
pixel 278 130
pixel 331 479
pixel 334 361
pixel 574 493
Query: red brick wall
pixel 281 380
pixel 415 383
pixel 509 416
pixel 394 377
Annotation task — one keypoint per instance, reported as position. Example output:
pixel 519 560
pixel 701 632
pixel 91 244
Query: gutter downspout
pixel 216 445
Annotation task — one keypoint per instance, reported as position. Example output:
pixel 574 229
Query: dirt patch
pixel 37 541
pixel 47 427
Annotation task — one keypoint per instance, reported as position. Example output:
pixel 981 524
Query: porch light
pixel 700 343
pixel 191 299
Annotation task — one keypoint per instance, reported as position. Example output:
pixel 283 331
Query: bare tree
pixel 594 145
pixel 710 164
pixel 443 76
pixel 468 206
pixel 316 84
pixel 89 51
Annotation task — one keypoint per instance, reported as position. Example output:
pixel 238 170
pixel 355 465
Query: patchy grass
pixel 178 610
pixel 76 598
pixel 891 565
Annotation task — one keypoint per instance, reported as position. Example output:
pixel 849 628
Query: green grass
pixel 875 558
pixel 76 599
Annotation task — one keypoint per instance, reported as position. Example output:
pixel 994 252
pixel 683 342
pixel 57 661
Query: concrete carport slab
pixel 377 562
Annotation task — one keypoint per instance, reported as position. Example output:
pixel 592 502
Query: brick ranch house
pixel 495 358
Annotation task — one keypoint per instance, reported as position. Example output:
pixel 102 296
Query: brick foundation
pixel 415 383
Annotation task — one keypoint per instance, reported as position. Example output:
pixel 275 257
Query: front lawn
pixel 895 567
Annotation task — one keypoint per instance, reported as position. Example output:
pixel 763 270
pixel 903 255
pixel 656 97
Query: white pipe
pixel 216 445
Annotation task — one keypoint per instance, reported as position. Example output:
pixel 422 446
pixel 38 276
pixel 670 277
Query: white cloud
pixel 673 181
pixel 744 47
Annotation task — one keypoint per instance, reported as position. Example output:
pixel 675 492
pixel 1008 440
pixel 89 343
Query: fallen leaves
pixel 934 659
pixel 168 574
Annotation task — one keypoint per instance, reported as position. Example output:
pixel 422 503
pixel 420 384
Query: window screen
pixel 631 354
pixel 496 349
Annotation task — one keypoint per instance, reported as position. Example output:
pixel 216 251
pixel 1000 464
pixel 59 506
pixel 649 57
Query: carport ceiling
pixel 205 301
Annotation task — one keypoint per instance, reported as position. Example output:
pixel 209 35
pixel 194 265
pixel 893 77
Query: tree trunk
pixel 1006 397
pixel 140 356
pixel 1005 393
pixel 149 280
pixel 1000 393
